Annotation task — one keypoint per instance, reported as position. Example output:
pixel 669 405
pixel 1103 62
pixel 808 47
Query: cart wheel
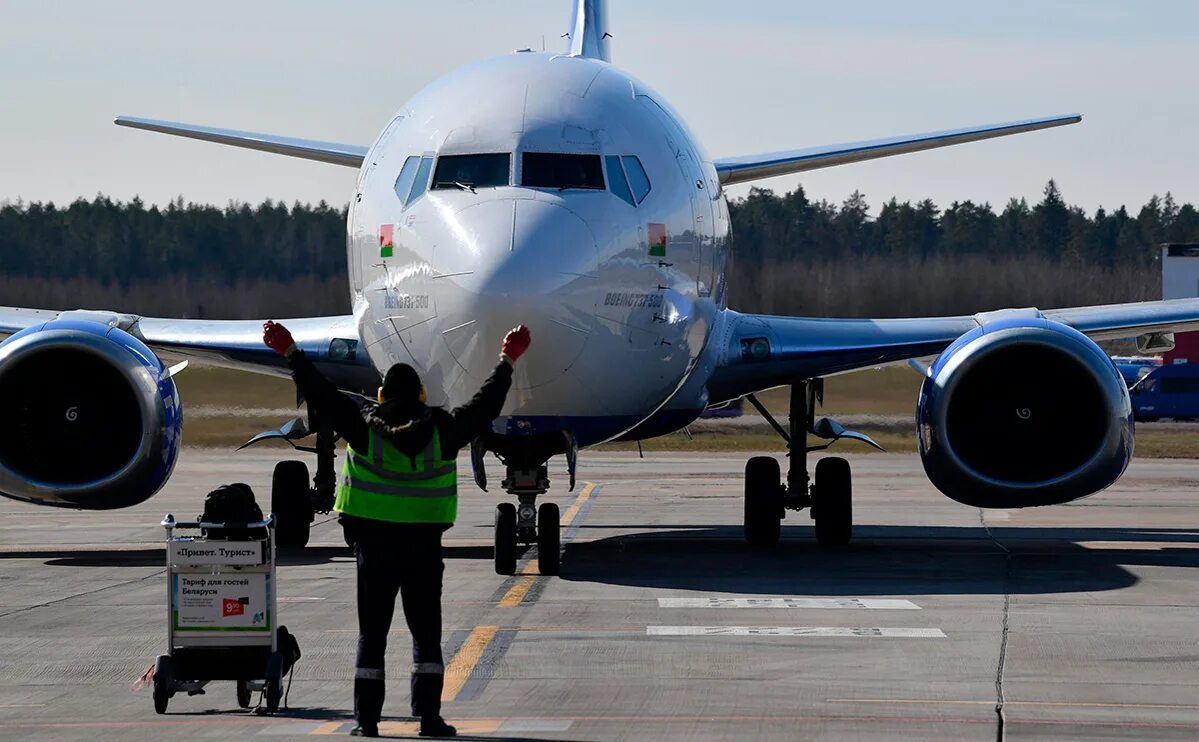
pixel 274 682
pixel 243 694
pixel 164 678
pixel 274 692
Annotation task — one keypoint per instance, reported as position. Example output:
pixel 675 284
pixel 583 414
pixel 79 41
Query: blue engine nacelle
pixel 91 418
pixel 1024 412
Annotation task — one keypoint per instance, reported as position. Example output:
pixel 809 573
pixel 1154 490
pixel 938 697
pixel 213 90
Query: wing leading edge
pixel 767 165
pixel 809 347
pixel 332 342
pixel 347 155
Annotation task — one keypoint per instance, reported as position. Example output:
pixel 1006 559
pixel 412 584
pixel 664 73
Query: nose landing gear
pixel 829 498
pixel 525 523
pixel 527 476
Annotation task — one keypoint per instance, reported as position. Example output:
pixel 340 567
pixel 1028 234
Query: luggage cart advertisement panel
pixel 221 602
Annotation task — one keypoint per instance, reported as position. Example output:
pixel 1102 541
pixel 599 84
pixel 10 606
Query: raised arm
pixel 320 393
pixel 472 419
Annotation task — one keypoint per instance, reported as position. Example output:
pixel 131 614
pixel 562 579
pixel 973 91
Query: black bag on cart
pixel 232 503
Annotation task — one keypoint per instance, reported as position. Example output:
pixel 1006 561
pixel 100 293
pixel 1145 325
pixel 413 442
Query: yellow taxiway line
pixel 463 664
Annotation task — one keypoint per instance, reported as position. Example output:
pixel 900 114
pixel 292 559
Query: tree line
pixel 797 256
pixel 187 260
pixel 792 255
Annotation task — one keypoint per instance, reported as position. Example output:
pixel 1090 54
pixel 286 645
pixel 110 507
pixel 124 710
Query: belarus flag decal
pixel 657 240
pixel 386 246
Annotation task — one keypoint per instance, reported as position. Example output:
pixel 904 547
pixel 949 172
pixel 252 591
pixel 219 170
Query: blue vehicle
pixel 1167 391
pixel 1134 368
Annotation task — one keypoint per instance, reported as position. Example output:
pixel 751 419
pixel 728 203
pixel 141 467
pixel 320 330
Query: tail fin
pixel 589 30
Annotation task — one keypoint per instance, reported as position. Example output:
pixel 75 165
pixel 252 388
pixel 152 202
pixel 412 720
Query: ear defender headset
pixel 423 397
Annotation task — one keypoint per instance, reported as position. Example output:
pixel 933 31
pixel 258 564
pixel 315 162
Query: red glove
pixel 277 338
pixel 516 342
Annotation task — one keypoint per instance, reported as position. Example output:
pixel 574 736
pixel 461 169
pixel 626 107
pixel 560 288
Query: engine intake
pixel 1024 412
pixel 92 418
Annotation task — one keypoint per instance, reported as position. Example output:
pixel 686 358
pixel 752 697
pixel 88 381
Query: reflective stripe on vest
pixel 388 484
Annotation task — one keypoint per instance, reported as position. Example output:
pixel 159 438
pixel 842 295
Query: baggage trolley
pixel 222 618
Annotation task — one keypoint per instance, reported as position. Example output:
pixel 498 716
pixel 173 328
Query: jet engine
pixel 1023 412
pixel 91 417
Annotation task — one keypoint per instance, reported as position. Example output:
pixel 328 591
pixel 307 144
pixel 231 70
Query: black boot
pixel 435 726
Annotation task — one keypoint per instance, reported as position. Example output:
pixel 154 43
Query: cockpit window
pixel 472 171
pixel 406 177
pixel 637 177
pixel 421 182
pixel 620 185
pixel 553 170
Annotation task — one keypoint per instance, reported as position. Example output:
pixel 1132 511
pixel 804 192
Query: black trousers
pixel 405 560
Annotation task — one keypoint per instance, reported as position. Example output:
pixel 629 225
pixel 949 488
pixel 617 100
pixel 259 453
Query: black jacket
pixel 407 426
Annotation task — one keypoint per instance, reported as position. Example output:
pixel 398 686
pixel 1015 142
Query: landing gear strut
pixel 526 477
pixel 829 498
pixel 525 523
pixel 295 499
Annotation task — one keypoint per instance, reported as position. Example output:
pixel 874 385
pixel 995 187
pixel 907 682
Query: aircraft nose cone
pixel 512 262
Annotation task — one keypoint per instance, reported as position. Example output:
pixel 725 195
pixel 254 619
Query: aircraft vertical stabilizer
pixel 589 30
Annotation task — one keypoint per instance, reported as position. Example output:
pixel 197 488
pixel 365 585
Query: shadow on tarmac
pixel 156 556
pixel 882 560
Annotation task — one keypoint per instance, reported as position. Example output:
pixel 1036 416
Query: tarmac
pixel 939 622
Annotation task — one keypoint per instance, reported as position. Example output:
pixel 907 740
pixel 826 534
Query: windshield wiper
pixel 465 187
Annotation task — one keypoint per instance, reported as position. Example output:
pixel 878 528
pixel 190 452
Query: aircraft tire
pixel 763 502
pixel 833 506
pixel 291 504
pixel 505 539
pixel 549 555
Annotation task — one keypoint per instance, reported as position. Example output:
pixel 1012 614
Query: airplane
pixel 557 190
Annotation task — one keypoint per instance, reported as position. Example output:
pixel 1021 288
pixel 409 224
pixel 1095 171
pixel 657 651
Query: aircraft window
pixel 472 171
pixel 407 175
pixel 553 170
pixel 637 177
pixel 421 182
pixel 616 179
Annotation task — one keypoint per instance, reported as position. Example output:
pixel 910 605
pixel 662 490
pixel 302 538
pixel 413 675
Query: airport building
pixel 1180 280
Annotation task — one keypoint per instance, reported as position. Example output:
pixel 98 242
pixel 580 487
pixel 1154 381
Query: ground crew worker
pixel 396 497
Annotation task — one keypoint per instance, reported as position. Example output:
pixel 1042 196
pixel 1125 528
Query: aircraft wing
pixel 769 164
pixel 332 342
pixel 348 155
pixel 809 347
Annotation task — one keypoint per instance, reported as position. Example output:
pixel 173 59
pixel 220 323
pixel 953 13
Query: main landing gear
pixel 296 498
pixel 829 497
pixel 525 523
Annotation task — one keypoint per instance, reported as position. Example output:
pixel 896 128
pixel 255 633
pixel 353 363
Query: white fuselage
pixel 618 323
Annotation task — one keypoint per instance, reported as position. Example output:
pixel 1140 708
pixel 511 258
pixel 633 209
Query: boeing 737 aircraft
pixel 560 191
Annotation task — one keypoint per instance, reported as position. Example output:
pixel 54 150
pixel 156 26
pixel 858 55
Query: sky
pixel 750 76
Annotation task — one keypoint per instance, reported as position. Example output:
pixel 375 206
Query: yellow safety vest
pixel 389 485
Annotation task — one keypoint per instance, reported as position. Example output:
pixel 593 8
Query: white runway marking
pixel 821 631
pixel 877 604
